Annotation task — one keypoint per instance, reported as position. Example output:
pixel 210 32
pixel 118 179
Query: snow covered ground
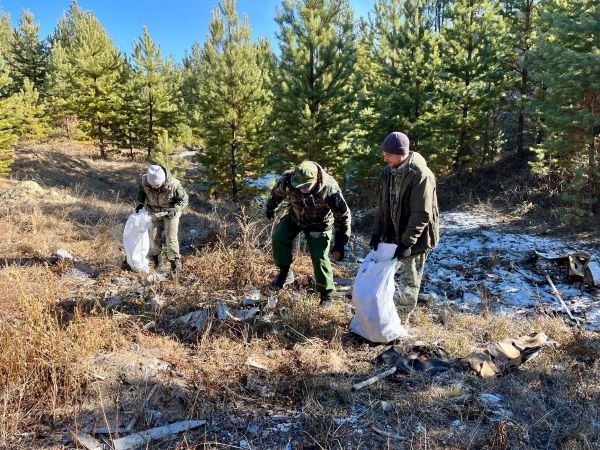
pixel 477 265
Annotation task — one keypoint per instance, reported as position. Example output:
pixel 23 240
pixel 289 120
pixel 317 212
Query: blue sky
pixel 174 24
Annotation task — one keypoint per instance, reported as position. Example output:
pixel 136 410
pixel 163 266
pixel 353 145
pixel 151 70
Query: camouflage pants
pixel 169 228
pixel 408 283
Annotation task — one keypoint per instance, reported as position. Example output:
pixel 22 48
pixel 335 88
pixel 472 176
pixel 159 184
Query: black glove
pixel 138 207
pixel 374 242
pixel 171 212
pixel 270 214
pixel 402 251
pixel 338 249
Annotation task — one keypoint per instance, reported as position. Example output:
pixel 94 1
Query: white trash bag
pixel 375 316
pixel 136 240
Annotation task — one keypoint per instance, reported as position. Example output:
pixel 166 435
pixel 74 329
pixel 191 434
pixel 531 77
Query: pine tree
pixel 6 33
pixel 407 64
pixel 32 124
pixel 522 19
pixel 29 54
pixel 233 101
pixel 567 62
pixel 474 46
pixel 129 122
pixel 8 117
pixel 167 155
pixel 315 85
pixel 157 87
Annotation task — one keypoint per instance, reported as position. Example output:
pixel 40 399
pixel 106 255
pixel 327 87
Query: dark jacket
pixel 318 210
pixel 413 219
pixel 170 195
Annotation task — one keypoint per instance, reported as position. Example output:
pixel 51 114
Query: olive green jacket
pixel 320 209
pixel 170 195
pixel 413 218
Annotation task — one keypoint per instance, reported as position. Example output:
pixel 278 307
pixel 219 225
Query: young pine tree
pixel 315 87
pixel 567 62
pixel 474 46
pixel 167 155
pixel 8 121
pixel 156 87
pixel 95 65
pixel 234 101
pixel 32 124
pixel 29 58
pixel 407 63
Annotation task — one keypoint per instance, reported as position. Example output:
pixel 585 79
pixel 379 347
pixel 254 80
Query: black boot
pixel 326 300
pixel 158 264
pixel 284 278
pixel 175 265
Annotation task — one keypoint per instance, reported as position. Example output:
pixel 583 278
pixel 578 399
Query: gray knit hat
pixel 155 175
pixel 396 143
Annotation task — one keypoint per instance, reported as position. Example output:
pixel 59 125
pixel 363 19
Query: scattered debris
pixel 196 319
pixel 592 274
pixel 252 362
pixel 386 405
pixel 63 254
pixel 88 441
pixel 387 434
pixel 144 437
pixel 490 398
pixel 562 302
pixel 374 379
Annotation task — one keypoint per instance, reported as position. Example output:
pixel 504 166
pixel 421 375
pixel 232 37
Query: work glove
pixel 402 251
pixel 338 248
pixel 374 242
pixel 270 214
pixel 139 207
pixel 171 212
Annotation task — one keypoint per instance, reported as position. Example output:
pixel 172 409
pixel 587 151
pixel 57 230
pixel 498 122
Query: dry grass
pixel 71 360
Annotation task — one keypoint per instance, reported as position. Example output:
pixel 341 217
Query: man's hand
pixel 270 214
pixel 402 251
pixel 374 242
pixel 338 251
pixel 139 207
pixel 171 212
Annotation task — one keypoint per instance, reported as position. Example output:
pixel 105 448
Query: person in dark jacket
pixel 164 198
pixel 407 215
pixel 316 207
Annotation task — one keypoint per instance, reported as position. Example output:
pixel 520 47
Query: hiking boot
pixel 326 300
pixel 175 265
pixel 284 278
pixel 158 264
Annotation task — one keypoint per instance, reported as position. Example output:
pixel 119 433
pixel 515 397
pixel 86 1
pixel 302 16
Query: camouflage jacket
pixel 170 195
pixel 407 211
pixel 318 210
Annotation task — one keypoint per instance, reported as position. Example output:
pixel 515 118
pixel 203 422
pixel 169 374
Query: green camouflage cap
pixel 305 175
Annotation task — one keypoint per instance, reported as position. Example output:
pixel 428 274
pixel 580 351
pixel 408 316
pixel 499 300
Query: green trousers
pixel 169 228
pixel 318 246
pixel 408 284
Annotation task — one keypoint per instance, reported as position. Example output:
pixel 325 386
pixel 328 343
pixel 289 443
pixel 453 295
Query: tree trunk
pixel 234 186
pixel 150 125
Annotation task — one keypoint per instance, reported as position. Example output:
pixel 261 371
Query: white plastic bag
pixel 136 240
pixel 375 316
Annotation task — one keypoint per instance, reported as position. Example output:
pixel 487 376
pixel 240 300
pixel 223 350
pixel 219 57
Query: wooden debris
pixel 562 302
pixel 374 379
pixel 144 437
pixel 88 441
pixel 388 434
pixel 256 364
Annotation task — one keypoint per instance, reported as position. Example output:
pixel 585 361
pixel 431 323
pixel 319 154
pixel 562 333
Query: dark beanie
pixel 396 143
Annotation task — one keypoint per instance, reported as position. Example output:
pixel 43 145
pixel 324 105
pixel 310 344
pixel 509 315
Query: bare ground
pixel 96 346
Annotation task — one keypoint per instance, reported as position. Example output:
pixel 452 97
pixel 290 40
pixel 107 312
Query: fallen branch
pixel 374 379
pixel 88 441
pixel 387 434
pixel 562 302
pixel 143 437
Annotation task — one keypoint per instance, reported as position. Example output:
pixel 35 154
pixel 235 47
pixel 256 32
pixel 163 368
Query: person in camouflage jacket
pixel 164 198
pixel 316 207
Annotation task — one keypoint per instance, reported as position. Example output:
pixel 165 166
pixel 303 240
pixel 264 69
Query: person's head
pixel 395 149
pixel 155 176
pixel 305 176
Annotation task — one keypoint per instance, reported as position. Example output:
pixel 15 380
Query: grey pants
pixel 170 228
pixel 408 283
